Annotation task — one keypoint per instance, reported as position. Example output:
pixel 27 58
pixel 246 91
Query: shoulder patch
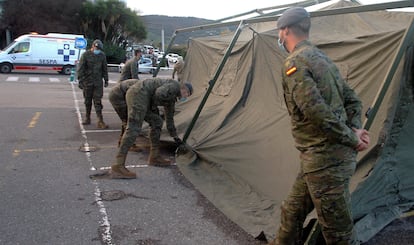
pixel 291 70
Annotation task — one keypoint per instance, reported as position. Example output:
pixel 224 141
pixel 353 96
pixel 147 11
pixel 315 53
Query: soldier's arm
pixel 105 69
pixel 311 103
pixel 353 107
pixel 174 71
pixel 81 68
pixel 169 119
pixel 134 69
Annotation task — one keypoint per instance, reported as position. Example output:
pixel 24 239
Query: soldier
pixel 326 120
pixel 93 76
pixel 143 99
pixel 130 70
pixel 118 101
pixel 179 69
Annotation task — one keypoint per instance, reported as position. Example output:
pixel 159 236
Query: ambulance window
pixel 8 46
pixel 21 47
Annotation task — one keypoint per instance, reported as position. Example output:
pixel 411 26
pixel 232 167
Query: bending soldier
pixel 142 100
pixel 118 102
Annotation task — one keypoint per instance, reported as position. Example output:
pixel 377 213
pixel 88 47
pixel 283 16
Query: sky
pixel 209 9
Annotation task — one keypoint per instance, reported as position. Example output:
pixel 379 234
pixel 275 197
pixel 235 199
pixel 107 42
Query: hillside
pixel 155 23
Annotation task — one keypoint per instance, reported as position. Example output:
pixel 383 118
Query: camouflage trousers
pixel 92 93
pixel 326 190
pixel 138 105
pixel 117 98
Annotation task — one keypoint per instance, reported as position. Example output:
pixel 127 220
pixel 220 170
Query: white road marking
pixel 102 130
pixel 12 79
pixel 106 234
pixel 134 166
pixel 34 79
pixel 54 79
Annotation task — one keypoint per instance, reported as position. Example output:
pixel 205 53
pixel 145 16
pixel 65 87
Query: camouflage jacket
pixel 179 70
pixel 130 70
pixel 323 108
pixel 164 93
pixel 92 69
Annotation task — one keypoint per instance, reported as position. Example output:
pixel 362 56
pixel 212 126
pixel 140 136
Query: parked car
pixel 145 66
pixel 172 58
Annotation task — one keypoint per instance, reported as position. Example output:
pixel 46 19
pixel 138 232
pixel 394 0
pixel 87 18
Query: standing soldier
pixel 130 70
pixel 143 99
pixel 93 76
pixel 179 69
pixel 326 120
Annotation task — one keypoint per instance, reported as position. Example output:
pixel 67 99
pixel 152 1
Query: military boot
pixel 119 171
pixel 100 124
pixel 87 120
pixel 155 158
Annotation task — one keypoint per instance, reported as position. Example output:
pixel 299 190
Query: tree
pixel 42 16
pixel 112 22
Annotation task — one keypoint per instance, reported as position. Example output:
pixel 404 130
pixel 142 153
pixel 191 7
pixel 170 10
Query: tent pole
pixel 174 35
pixel 305 3
pixel 346 10
pixel 372 111
pixel 213 81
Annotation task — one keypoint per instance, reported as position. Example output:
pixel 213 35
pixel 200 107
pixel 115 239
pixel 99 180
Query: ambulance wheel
pixel 5 68
pixel 66 70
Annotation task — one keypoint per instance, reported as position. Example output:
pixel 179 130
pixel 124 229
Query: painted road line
pixel 135 166
pixel 32 124
pixel 54 79
pixel 33 150
pixel 12 79
pixel 106 234
pixel 34 120
pixel 102 131
pixel 34 79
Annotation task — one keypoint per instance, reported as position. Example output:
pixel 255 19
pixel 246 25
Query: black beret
pixel 292 16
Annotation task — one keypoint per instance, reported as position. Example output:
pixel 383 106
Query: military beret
pixel 292 16
pixel 98 43
pixel 189 87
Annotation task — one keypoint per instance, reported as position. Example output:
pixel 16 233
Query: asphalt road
pixel 48 197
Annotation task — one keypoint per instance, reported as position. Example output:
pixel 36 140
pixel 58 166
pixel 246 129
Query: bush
pixel 114 54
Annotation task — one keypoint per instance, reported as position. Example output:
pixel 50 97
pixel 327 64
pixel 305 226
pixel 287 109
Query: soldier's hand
pixel 181 149
pixel 106 84
pixel 178 141
pixel 363 139
pixel 80 85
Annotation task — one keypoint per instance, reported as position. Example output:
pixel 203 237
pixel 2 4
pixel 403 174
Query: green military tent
pixel 243 157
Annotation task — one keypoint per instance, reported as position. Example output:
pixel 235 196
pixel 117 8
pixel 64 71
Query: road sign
pixel 80 43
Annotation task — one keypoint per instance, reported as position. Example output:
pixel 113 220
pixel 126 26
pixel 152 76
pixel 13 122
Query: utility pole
pixel 162 38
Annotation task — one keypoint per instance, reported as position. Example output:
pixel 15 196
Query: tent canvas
pixel 246 160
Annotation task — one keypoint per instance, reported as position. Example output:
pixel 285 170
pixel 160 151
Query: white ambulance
pixel 53 51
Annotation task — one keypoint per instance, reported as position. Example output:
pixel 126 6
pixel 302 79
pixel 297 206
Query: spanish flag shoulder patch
pixel 291 70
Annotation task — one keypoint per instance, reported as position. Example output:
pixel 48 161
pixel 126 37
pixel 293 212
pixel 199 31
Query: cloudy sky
pixel 209 9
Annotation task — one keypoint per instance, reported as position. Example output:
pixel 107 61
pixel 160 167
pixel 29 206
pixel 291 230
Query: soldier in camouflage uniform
pixel 130 70
pixel 143 99
pixel 117 98
pixel 178 69
pixel 93 76
pixel 326 120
